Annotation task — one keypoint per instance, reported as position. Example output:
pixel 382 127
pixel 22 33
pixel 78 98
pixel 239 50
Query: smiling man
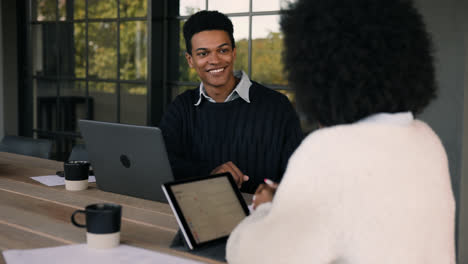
pixel 229 123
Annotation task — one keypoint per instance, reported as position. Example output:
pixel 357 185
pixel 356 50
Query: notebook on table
pixel 127 159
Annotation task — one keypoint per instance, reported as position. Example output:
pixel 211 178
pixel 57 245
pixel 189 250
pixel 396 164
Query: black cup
pixel 100 218
pixel 102 224
pixel 76 170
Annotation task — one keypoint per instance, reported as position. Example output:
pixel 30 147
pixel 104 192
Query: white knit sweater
pixel 364 193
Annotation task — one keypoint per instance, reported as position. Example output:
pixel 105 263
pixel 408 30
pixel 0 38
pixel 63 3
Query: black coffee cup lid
pixel 76 171
pixel 77 162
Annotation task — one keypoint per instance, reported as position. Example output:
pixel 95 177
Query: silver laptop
pixel 127 159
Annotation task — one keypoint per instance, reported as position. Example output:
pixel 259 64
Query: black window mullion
pixel 118 62
pixel 88 112
pixel 249 53
pixel 157 94
pixel 149 53
pixel 108 20
pixel 165 91
pixel 241 14
pixel 25 81
pixel 58 114
pixel 67 78
pixel 57 71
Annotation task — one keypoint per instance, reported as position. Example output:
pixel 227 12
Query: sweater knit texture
pixel 362 193
pixel 258 137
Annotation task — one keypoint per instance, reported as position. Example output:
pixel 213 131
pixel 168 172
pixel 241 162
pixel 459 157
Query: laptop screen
pixel 127 159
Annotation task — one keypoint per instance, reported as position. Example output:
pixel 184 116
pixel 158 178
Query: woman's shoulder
pixel 363 131
pixel 361 139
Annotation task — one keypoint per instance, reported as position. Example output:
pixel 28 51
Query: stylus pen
pixel 269 182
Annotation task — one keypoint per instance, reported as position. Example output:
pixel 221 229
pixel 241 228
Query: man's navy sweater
pixel 258 137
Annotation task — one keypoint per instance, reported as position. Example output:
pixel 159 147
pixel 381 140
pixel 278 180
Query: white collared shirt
pixel 241 90
pixel 401 118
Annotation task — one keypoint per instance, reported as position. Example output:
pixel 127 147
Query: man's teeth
pixel 217 70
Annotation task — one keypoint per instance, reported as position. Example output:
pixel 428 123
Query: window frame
pixel 29 115
pixel 175 84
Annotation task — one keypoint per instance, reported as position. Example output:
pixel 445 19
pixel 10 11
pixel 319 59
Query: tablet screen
pixel 210 208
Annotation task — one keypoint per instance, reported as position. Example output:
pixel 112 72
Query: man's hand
pixel 264 193
pixel 230 167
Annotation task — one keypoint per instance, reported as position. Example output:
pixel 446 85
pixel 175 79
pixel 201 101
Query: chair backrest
pixel 79 152
pixel 27 146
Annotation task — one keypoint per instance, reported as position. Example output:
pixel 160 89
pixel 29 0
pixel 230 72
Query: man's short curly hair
pixel 348 59
pixel 207 20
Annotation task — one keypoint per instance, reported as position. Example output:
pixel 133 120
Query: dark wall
pixel 10 66
pixel 2 127
pixel 446 21
pixel 462 11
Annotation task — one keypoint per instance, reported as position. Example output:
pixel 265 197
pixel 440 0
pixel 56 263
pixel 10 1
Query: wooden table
pixel 33 215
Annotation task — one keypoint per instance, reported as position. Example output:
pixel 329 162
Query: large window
pixel 258 41
pixel 88 61
pixel 123 60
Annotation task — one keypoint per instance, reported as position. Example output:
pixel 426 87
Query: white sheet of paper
pixel 54 180
pixel 79 254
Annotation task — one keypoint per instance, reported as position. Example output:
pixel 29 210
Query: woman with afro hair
pixel 372 185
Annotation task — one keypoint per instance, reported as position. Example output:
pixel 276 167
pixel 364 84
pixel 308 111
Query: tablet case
pixel 216 250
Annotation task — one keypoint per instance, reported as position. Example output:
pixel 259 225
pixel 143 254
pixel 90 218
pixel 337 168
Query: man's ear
pixel 189 59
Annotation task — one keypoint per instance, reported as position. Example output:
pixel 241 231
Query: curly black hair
pixel 348 59
pixel 207 20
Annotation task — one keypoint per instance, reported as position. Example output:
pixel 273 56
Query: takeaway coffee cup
pixel 102 224
pixel 76 175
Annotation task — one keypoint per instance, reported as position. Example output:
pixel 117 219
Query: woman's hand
pixel 264 193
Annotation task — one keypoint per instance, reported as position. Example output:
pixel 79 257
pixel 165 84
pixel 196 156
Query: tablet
pixel 207 209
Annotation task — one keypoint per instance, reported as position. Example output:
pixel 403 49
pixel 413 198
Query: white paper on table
pixel 81 253
pixel 54 180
